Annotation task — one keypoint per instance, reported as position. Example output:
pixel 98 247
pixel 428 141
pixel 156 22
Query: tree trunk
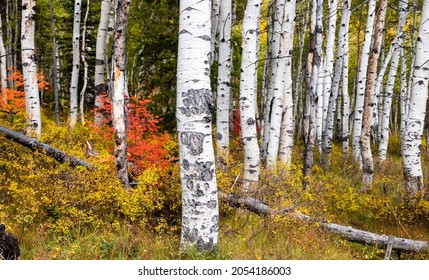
pixel 352 234
pixel 200 208
pixel 224 84
pixel 414 123
pixel 100 62
pixel 288 120
pixel 29 67
pixel 76 64
pixel 365 141
pixel 3 65
pixel 248 92
pixel 329 53
pixel 278 83
pixel 54 64
pixel 85 65
pixel 120 92
pixel 36 145
pixel 396 48
pixel 313 64
pixel 361 81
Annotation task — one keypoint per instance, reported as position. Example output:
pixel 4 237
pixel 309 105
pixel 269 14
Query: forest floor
pixel 60 212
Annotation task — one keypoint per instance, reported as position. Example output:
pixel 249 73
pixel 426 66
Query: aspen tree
pixel 76 63
pixel 200 207
pixel 365 139
pixel 100 62
pixel 248 78
pixel 414 122
pixel 224 82
pixel 361 81
pixel 29 67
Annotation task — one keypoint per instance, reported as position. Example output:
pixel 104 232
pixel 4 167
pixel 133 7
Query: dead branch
pixel 352 234
pixel 36 145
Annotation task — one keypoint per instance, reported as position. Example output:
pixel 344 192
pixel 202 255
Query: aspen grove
pixel 208 127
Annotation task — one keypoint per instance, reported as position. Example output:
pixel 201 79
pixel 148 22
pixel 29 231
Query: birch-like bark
pixel 320 101
pixel 403 97
pixel 200 207
pixel 388 94
pixel 76 63
pixel 361 81
pixel 288 120
pixel 29 67
pixel 329 58
pixel 414 123
pixel 224 83
pixel 215 27
pixel 365 141
pixel 335 85
pixel 313 64
pixel 3 65
pixel 248 78
pixel 100 62
pixel 345 135
pixel 300 76
pixel 277 85
pixel 54 64
pixel 273 75
pixel 120 93
pixel 85 65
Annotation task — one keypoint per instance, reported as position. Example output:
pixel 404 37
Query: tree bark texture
pixel 361 81
pixel 365 139
pixel 76 63
pixel 29 67
pixel 224 83
pixel 195 105
pixel 248 93
pixel 414 123
pixel 120 92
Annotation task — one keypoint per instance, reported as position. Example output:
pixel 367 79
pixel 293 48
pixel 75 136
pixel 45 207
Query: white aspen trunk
pixel 76 64
pixel 345 135
pixel 329 58
pixel 320 104
pixel 200 207
pixel 29 67
pixel 100 62
pixel 365 141
pixel 403 98
pixel 396 48
pixel 361 81
pixel 215 28
pixel 414 123
pixel 120 92
pixel 338 74
pixel 313 65
pixel 278 83
pixel 300 76
pixel 274 76
pixel 248 91
pixel 85 65
pixel 3 65
pixel 224 83
pixel 287 125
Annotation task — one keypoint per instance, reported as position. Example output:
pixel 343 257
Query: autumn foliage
pixel 15 98
pixel 147 147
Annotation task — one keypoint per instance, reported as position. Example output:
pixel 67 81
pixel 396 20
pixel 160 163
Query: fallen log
pixel 352 234
pixel 36 145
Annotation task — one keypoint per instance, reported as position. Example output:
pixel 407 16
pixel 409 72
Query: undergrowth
pixel 59 212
